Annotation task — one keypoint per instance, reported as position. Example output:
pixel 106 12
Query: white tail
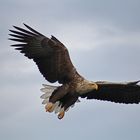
pixel 48 90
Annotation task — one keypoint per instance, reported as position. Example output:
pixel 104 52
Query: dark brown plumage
pixel 50 55
pixel 53 61
pixel 127 93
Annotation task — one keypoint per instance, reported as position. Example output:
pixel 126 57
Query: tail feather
pixel 45 96
pixel 45 101
pixel 57 109
pixel 49 86
pixel 48 90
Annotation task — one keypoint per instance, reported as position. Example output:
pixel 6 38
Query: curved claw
pixel 96 86
pixel 61 114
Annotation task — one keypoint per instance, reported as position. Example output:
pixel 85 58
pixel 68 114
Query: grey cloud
pixel 122 13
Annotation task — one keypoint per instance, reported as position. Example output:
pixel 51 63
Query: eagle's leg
pixel 61 113
pixel 67 101
pixel 50 107
pixel 58 99
pixel 57 95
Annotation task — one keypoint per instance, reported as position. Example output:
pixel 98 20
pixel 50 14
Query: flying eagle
pixel 54 63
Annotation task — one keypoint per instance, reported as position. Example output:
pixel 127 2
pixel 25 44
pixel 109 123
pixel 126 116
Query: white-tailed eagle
pixel 53 61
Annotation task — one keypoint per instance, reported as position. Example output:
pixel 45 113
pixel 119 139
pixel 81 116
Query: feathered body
pixel 54 63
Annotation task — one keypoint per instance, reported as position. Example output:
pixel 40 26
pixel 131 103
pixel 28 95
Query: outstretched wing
pixel 116 92
pixel 50 55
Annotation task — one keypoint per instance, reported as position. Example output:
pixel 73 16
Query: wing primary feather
pixel 17 36
pixel 20 33
pixel 31 29
pixel 133 83
pixel 18 48
pixel 18 45
pixel 18 40
pixel 25 31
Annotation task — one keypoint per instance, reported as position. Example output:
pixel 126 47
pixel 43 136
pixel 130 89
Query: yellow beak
pixel 95 86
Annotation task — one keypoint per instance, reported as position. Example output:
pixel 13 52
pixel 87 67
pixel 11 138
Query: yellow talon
pixel 49 107
pixel 61 114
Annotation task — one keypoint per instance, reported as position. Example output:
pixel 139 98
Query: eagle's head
pixel 93 85
pixel 86 86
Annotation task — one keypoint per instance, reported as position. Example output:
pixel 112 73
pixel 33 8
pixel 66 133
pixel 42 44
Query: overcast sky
pixel 103 38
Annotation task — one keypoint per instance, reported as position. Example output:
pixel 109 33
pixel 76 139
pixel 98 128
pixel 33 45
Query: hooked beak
pixel 95 86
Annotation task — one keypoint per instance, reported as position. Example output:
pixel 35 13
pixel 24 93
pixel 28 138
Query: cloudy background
pixel 103 37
